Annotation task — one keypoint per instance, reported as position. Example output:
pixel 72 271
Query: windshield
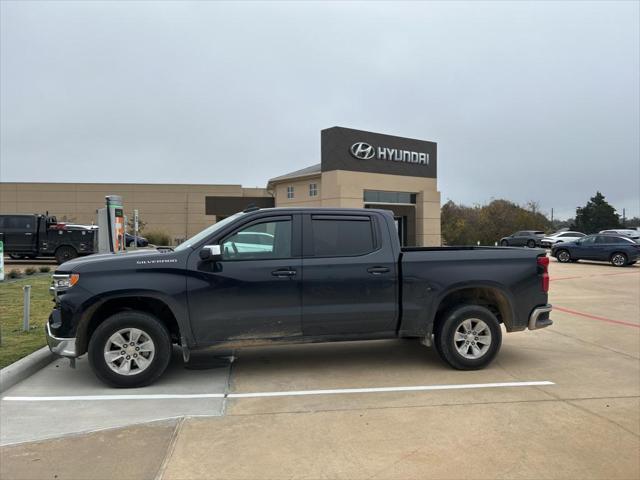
pixel 206 232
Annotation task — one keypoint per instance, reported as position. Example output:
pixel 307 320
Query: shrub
pixel 45 269
pixel 29 270
pixel 14 273
pixel 157 237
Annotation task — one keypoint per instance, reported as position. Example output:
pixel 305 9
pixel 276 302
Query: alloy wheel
pixel 472 338
pixel 129 351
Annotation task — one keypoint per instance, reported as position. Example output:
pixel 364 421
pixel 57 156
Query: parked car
pixel 618 250
pixel 524 238
pixel 31 236
pixel 559 237
pixel 129 240
pixel 327 275
pixel 627 232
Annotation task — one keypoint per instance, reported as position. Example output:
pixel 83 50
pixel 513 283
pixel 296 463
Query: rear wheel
pixel 468 337
pixel 563 256
pixel 618 259
pixel 531 244
pixel 130 349
pixel 65 253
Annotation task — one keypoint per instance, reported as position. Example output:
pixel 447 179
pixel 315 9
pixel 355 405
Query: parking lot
pixel 559 402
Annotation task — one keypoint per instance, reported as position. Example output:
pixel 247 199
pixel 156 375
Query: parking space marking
pixel 68 398
pixel 596 317
pixel 291 393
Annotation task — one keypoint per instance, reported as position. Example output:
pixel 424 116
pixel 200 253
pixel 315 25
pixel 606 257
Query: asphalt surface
pixel 583 423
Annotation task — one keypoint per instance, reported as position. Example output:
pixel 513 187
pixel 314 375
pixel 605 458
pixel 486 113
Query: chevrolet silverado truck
pixel 292 275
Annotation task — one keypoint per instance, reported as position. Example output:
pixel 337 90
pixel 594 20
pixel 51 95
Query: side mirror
pixel 211 253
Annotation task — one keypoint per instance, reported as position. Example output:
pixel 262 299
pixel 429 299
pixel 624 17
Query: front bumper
pixel 539 317
pixel 65 347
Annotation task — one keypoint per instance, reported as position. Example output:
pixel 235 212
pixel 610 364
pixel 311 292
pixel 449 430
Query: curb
pixel 24 368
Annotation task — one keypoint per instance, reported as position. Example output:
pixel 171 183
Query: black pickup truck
pixel 292 275
pixel 31 236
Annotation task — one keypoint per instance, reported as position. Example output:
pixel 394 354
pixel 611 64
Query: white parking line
pixel 291 393
pixel 68 398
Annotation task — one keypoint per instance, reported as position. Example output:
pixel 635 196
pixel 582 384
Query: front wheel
pixel 618 259
pixel 504 243
pixel 563 256
pixel 531 244
pixel 130 349
pixel 468 337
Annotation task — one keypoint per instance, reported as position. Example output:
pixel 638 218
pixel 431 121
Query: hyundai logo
pixel 363 151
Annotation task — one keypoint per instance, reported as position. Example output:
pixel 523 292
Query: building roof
pixel 303 172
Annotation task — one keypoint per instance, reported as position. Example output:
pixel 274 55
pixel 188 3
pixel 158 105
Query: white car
pixel 560 237
pixel 627 232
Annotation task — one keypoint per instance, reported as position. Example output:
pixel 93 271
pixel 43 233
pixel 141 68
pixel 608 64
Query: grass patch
pixel 16 343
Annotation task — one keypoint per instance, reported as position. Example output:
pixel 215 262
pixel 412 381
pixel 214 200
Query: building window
pixel 290 193
pixel 313 189
pixel 377 196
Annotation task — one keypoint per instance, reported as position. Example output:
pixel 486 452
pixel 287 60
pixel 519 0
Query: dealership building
pixel 357 169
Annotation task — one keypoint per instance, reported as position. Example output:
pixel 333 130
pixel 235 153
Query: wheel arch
pixel 492 296
pixel 144 301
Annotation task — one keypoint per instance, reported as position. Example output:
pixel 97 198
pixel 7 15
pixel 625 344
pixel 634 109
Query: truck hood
pixel 128 259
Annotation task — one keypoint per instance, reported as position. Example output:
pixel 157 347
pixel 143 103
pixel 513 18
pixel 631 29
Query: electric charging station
pixel 111 223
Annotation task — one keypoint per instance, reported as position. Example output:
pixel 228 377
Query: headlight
pixel 64 281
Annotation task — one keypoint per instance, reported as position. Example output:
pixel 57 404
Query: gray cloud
pixel 527 101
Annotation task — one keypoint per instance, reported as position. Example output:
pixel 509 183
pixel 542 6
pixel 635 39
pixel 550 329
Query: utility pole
pixel 552 215
pixel 624 217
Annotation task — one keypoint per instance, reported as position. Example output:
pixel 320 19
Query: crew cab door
pixel 20 233
pixel 254 291
pixel 349 276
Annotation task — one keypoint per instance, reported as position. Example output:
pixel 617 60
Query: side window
pixel 588 241
pixel 265 240
pixel 20 222
pixel 335 237
pixel 566 235
pixel 518 234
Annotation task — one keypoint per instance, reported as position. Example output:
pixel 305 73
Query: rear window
pixel 336 237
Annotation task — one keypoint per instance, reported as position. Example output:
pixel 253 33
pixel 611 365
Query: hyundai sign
pixel 347 149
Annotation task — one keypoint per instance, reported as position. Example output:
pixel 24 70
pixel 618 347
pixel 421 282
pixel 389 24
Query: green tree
pixel 462 225
pixel 596 215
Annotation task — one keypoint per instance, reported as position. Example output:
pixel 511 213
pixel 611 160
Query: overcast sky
pixel 527 101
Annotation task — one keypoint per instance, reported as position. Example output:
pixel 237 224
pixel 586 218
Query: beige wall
pixel 178 210
pixel 340 188
pixel 301 192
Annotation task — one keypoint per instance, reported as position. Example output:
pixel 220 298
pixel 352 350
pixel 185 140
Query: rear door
pixel 349 279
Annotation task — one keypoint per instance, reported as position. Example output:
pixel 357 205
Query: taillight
pixel 543 268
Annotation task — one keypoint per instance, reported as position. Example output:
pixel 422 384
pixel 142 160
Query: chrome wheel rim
pixel 472 338
pixel 618 260
pixel 563 257
pixel 129 351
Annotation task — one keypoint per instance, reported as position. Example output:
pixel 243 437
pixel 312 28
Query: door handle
pixel 283 272
pixel 377 270
pixel 28 233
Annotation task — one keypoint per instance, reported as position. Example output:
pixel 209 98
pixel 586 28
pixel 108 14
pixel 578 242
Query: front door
pixel 20 233
pixel 350 282
pixel 255 290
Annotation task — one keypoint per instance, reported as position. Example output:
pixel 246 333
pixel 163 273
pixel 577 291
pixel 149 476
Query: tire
pixel 563 256
pixel 15 256
pixel 531 244
pixel 504 243
pixel 150 336
pixel 618 259
pixel 65 253
pixel 450 345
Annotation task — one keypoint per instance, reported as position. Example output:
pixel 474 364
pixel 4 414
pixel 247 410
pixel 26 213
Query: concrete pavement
pixel 586 425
